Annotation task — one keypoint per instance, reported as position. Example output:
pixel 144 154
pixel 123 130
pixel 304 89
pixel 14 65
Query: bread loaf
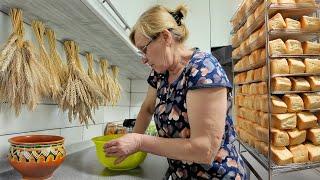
pixel 297 136
pixel 250 21
pixel 280 84
pixel 257 116
pixel 284 121
pixel 263 101
pixel 257 74
pixel 264 119
pixel 294 102
pixel 236 53
pixel 249 76
pixel 311 100
pixel 277 105
pixel 245 61
pixel 262 88
pixel 313 135
pixel 287 1
pixel 313 152
pixel 293 47
pixel 306 120
pixel 277 47
pixel 310 23
pixel 306 1
pixel 256 103
pixel 296 66
pixel 253 88
pixel 238 90
pixel 253 37
pixel 279 66
pixel 277 22
pixel 262 33
pixel 311 47
pixel 263 55
pixel 300 153
pixel 281 155
pixel 279 138
pixel 299 84
pixel 314 82
pixel 264 148
pixel 263 134
pixel 264 73
pixel 292 24
pixel 312 65
pixel 259 11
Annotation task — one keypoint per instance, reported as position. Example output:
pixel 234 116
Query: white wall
pixel 221 13
pixel 48 119
pixel 197 21
pixel 131 10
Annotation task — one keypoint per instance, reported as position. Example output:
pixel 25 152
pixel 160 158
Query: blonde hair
pixel 158 18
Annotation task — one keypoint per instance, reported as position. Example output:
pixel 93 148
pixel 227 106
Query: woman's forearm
pixel 196 150
pixel 142 122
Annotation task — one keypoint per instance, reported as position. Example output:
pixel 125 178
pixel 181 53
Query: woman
pixel 188 96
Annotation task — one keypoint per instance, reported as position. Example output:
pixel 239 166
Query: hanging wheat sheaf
pixel 107 83
pixel 22 77
pixel 53 82
pixel 93 76
pixel 60 68
pixel 80 94
pixel 117 87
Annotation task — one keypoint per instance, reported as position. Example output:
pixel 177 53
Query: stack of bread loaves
pixel 294 73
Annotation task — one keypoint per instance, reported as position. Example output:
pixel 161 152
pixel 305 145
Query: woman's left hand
pixel 123 147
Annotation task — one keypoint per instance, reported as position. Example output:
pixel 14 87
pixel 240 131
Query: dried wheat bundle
pixel 53 80
pixel 59 67
pixel 78 62
pixel 80 93
pixel 107 83
pixel 92 74
pixel 21 75
pixel 117 87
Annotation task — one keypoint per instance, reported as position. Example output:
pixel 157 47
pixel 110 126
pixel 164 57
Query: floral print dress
pixel 171 118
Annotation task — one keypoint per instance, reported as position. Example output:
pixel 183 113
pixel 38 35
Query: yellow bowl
pixel 131 162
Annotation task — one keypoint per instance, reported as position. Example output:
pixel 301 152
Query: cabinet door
pixel 221 14
pixel 197 21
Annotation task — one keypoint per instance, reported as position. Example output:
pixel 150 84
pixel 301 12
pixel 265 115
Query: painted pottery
pixel 36 156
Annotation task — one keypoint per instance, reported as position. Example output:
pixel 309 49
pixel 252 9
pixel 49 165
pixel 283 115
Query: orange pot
pixel 36 156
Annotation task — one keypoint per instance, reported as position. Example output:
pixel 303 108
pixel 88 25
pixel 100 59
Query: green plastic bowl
pixel 131 162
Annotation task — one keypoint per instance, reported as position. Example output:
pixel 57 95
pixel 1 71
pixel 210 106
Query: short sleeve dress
pixel 171 118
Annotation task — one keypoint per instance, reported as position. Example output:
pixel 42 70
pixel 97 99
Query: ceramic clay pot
pixel 36 156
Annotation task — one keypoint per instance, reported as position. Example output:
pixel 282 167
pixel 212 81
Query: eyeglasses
pixel 143 52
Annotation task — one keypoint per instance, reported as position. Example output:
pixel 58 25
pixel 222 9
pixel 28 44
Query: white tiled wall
pixel 139 90
pixel 49 119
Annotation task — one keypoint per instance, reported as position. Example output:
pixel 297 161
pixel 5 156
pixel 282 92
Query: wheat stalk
pixel 55 87
pixel 59 67
pixel 117 91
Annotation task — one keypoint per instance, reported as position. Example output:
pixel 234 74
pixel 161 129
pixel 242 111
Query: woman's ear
pixel 167 37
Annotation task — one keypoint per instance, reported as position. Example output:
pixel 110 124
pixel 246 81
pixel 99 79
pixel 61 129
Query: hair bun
pixel 179 13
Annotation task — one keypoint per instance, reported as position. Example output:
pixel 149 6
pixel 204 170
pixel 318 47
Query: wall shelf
pixel 89 23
